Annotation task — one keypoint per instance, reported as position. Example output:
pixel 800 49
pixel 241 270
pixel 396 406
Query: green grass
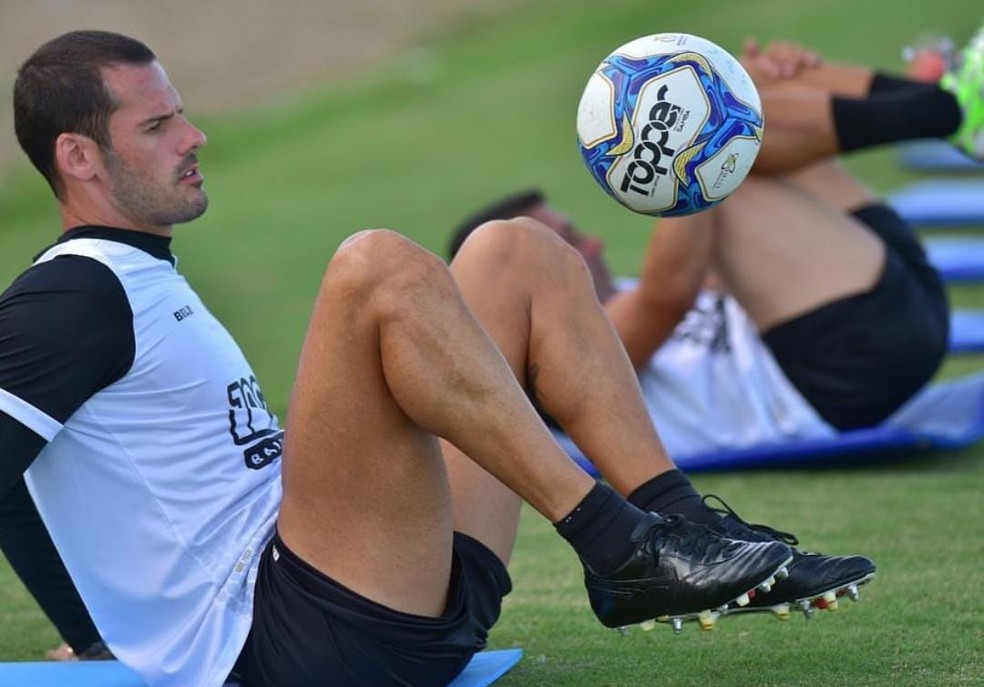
pixel 918 623
pixel 418 146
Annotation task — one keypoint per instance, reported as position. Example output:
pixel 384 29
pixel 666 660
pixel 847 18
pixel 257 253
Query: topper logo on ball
pixel 670 111
pixel 647 155
pixel 669 124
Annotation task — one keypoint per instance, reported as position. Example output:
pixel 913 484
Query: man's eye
pixel 155 126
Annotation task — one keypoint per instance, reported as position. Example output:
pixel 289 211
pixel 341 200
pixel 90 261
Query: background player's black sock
pixel 886 83
pixel 900 115
pixel 599 528
pixel 671 493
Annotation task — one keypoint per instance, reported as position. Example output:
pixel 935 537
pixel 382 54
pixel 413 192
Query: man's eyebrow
pixel 153 119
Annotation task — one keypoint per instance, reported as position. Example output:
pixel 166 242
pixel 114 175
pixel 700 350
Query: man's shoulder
pixel 63 276
pixel 66 330
pixel 63 293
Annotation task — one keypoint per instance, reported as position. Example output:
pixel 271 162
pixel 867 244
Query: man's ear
pixel 77 157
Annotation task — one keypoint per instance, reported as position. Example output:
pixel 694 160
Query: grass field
pixel 418 146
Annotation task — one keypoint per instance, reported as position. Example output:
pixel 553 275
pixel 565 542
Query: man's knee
pixel 518 247
pixel 381 268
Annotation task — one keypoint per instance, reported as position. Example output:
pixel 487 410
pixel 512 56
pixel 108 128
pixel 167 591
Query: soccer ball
pixel 669 124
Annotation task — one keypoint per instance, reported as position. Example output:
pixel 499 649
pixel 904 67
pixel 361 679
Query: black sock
pixel 671 493
pixel 927 112
pixel 886 83
pixel 599 529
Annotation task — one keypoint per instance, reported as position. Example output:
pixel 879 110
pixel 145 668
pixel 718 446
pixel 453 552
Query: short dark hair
pixel 511 206
pixel 59 89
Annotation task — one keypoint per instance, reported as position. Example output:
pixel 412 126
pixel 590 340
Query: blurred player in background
pixel 802 305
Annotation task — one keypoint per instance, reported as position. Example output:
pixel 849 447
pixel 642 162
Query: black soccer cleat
pixel 814 580
pixel 681 569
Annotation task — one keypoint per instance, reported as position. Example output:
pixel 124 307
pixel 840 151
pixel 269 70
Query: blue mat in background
pixel 935 156
pixel 958 258
pixel 941 202
pixel 485 668
pixel 946 415
pixel 967 331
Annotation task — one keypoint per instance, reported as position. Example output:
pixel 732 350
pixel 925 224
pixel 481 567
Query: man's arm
pixel 19 446
pixel 28 548
pixel 676 265
pixel 65 332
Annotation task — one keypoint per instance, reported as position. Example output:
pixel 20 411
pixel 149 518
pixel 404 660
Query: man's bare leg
pixel 393 359
pixel 560 344
pixel 816 109
pixel 782 251
pixel 781 245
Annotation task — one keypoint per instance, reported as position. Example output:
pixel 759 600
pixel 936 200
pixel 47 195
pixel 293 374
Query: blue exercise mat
pixel 941 202
pixel 966 331
pixel 485 668
pixel 959 259
pixel 945 415
pixel 936 156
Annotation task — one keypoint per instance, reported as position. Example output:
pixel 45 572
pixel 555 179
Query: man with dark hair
pixel 778 314
pixel 515 205
pixel 823 279
pixel 83 103
pixel 367 541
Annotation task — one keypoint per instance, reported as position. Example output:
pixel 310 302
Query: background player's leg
pixel 785 246
pixel 824 109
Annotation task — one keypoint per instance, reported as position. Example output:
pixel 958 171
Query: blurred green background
pixel 475 108
pixel 418 144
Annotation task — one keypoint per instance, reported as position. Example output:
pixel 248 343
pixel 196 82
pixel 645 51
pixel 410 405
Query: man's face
pixel 590 247
pixel 152 166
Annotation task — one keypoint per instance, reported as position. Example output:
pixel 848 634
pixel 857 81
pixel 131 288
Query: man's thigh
pixel 859 358
pixel 366 497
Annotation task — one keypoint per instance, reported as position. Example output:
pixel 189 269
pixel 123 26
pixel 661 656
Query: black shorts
pixel 310 630
pixel 859 358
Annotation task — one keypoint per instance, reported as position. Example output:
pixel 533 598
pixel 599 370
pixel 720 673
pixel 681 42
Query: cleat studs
pixel 677 624
pixel 624 631
pixel 707 620
pixel 782 573
pixel 781 611
pixel 766 586
pixel 830 601
pixel 743 600
pixel 806 607
pixel 647 625
pixel 852 592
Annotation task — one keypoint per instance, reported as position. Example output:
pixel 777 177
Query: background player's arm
pixel 675 267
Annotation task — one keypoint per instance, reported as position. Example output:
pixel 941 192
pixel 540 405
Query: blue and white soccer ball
pixel 669 124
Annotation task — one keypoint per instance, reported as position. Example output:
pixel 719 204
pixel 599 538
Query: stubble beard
pixel 150 202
